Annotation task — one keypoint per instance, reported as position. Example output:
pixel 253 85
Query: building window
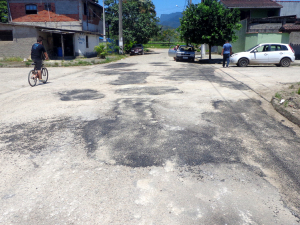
pixel 48 6
pixel 87 41
pixel 84 9
pixel 6 35
pixel 31 9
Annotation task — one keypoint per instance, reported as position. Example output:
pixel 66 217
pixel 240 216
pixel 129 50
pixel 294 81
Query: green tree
pixel 169 35
pixel 3 11
pixel 209 22
pixel 139 20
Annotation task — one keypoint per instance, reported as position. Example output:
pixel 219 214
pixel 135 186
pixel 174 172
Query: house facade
pixel 68 27
pixel 266 21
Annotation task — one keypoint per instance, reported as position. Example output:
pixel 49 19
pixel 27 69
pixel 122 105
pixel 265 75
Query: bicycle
pixel 33 75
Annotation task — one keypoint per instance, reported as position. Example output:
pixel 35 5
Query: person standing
pixel 176 49
pixel 226 52
pixel 37 52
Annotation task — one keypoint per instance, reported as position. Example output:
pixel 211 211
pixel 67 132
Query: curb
pixel 279 108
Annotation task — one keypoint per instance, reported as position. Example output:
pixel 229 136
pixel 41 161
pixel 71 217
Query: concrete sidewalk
pixel 290 110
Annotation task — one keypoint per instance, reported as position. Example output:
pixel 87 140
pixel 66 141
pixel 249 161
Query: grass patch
pixel 12 59
pixel 1 65
pixel 27 63
pixel 286 103
pixel 298 92
pixel 83 62
pixel 277 95
pixel 161 45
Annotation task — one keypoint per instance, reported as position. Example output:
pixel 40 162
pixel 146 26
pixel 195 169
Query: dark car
pixel 137 49
pixel 185 52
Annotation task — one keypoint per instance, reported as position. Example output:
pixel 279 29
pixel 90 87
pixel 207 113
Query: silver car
pixel 185 52
pixel 266 53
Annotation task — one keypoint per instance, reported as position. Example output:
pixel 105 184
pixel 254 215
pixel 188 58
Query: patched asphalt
pixel 150 141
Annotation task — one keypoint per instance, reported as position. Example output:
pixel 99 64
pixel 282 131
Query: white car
pixel 266 53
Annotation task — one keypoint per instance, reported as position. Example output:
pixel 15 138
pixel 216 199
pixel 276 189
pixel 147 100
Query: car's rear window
pixel 188 49
pixel 278 48
pixel 283 47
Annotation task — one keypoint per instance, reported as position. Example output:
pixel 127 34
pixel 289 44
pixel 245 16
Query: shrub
pixel 298 92
pixel 101 50
pixel 128 46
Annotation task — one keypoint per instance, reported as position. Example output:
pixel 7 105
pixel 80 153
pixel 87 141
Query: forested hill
pixel 170 20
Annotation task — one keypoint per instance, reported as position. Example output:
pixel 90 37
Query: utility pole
pixel 87 15
pixel 104 35
pixel 120 27
pixel 190 2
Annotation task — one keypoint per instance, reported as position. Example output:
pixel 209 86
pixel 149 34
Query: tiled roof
pixel 290 27
pixel 250 4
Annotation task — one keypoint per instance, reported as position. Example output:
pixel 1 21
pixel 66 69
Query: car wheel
pixel 243 62
pixel 285 62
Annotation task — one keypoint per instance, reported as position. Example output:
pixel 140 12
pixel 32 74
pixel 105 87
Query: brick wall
pixel 18 13
pixel 23 39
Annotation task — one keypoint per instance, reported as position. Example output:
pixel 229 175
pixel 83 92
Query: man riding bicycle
pixel 37 52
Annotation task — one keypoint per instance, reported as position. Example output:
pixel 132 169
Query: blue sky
pixel 169 6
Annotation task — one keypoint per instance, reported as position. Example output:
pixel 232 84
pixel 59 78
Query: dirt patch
pixel 287 102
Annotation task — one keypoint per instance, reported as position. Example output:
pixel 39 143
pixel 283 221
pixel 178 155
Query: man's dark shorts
pixel 38 63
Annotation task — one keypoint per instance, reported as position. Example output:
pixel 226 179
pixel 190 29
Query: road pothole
pixel 149 91
pixel 80 94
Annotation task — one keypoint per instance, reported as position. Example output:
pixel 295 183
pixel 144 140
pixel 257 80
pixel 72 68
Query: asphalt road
pixel 148 140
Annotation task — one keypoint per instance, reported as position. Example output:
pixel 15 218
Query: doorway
pixel 67 43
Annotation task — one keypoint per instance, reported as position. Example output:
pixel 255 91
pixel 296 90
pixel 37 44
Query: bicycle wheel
pixel 44 75
pixel 31 78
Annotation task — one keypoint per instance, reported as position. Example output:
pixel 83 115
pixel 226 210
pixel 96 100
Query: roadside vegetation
pixel 290 96
pixel 11 59
pixel 85 61
pixel 220 24
pixel 139 21
pixel 18 62
pixel 161 44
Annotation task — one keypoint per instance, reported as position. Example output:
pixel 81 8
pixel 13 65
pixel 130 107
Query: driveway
pixel 148 140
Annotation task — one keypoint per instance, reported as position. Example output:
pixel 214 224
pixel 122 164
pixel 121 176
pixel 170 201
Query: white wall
pixel 80 44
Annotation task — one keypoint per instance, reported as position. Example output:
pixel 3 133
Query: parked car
pixel 137 49
pixel 185 52
pixel 266 53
